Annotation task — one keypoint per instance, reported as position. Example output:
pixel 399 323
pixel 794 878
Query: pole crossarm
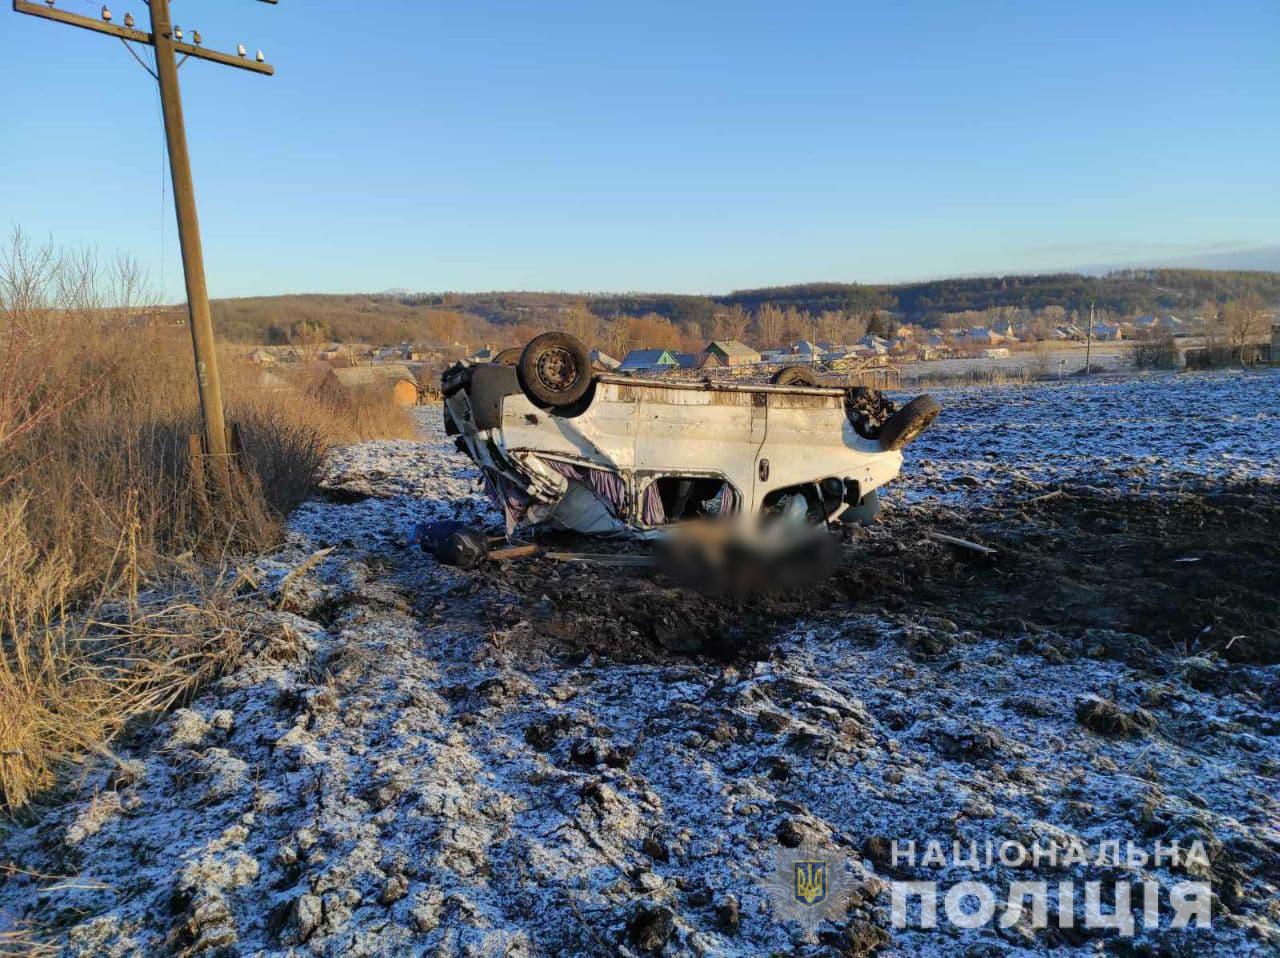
pixel 76 20
pixel 226 59
pixel 140 36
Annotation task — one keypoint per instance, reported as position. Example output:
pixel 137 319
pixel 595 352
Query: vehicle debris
pixel 467 549
pixel 595 558
pixel 962 543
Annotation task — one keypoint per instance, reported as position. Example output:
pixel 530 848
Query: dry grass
pixel 366 414
pixel 70 678
pixel 99 499
pixel 23 942
pixel 989 376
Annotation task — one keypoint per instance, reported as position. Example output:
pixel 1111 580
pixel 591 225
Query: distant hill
pixel 1120 291
pixel 1263 258
pixel 478 317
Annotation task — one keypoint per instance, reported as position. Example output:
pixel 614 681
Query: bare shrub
pixel 1154 349
pixel 98 496
pixel 1245 321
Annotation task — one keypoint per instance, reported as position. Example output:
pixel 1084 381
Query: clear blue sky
pixel 692 146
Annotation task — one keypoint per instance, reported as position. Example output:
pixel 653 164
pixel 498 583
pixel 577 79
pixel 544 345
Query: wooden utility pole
pixel 167 41
pixel 1088 343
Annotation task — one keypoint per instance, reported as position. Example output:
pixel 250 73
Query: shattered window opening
pixel 682 498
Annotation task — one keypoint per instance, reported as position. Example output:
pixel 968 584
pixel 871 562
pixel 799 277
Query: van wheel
pixel 795 376
pixel 909 422
pixel 508 357
pixel 554 370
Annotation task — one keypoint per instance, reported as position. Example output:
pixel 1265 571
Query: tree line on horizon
pixel 833 312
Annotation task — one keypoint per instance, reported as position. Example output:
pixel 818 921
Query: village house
pixel 698 360
pixel 1167 323
pixel 337 352
pixel 336 361
pixel 397 380
pixel 979 336
pixel 648 359
pixel 730 352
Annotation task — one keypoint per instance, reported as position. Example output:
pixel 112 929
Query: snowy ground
pixel 392 774
pixel 1143 435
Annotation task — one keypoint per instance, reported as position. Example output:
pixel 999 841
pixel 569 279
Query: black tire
pixel 795 376
pixel 507 357
pixel 909 422
pixel 490 384
pixel 454 378
pixel 555 370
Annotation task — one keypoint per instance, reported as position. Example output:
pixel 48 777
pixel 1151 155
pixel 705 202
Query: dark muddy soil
pixel 1189 574
pixel 1193 574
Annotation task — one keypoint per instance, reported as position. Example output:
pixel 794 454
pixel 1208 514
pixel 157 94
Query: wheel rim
pixel 557 369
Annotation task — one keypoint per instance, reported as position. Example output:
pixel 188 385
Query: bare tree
pixel 770 325
pixel 797 324
pixel 1217 348
pixel 310 335
pixel 831 327
pixel 26 280
pixel 1243 321
pixel 732 323
pixel 614 337
pixel 581 323
pixel 45 295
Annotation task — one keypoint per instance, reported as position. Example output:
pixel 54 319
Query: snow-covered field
pixel 394 774
pixel 1143 435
